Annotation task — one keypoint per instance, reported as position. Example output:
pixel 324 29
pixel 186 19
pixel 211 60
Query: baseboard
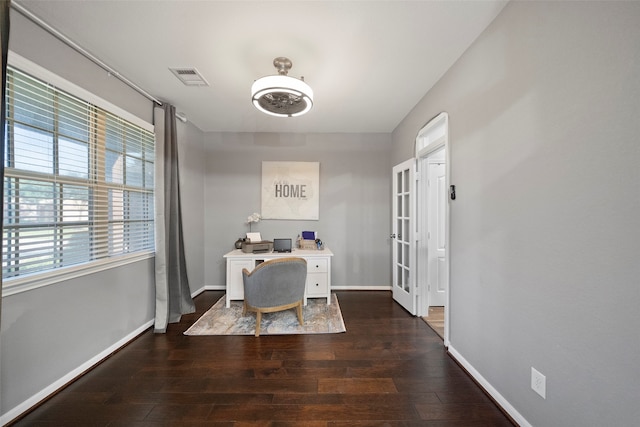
pixel 28 404
pixel 215 287
pixel 333 288
pixel 361 288
pixel 198 291
pixel 489 389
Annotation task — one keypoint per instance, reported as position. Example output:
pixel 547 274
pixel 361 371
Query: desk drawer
pixel 317 284
pixel 235 282
pixel 317 265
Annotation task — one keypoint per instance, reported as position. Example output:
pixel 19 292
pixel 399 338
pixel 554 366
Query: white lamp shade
pixel 282 96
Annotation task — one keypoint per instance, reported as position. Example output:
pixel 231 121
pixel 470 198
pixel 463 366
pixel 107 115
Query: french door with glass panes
pixel 403 235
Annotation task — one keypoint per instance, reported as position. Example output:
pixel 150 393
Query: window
pixel 78 181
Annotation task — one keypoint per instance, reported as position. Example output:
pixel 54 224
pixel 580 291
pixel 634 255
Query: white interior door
pixel 436 234
pixel 403 235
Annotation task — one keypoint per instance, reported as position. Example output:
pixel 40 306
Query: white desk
pixel 318 283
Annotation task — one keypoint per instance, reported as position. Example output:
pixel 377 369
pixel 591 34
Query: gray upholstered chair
pixel 275 285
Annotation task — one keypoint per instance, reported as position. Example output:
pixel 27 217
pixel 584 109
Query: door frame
pixel 430 139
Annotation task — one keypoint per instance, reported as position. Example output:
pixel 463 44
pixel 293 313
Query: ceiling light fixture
pixel 281 95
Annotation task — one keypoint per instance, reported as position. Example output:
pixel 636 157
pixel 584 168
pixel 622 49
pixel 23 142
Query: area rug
pixel 319 318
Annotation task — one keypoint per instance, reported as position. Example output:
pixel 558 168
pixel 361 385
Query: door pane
pixel 406 256
pixel 405 230
pixel 405 210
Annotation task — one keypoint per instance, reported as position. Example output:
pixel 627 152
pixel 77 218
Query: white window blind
pixel 78 181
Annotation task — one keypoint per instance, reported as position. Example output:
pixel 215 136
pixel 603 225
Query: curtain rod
pixel 36 20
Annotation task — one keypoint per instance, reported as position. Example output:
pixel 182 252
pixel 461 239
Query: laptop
pixel 282 245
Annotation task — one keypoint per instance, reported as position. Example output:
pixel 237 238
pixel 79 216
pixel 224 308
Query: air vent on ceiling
pixel 189 76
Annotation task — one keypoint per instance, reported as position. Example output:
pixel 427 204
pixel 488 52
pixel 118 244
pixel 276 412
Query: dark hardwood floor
pixel 388 369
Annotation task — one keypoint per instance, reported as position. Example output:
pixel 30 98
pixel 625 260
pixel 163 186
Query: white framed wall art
pixel 291 190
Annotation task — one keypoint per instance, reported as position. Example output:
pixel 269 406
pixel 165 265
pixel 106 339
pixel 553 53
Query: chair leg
pixel 299 310
pixel 244 308
pixel 258 320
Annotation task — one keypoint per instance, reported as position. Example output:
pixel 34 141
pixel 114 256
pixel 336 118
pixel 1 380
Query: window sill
pixel 28 283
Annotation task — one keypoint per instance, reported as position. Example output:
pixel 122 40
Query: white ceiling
pixel 368 62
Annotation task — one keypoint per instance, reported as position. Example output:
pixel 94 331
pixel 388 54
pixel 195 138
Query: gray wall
pixel 545 231
pixel 48 332
pixel 355 191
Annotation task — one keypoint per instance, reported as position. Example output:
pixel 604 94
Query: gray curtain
pixel 173 296
pixel 4 34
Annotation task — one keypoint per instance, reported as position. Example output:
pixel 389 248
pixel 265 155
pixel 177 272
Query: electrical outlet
pixel 538 383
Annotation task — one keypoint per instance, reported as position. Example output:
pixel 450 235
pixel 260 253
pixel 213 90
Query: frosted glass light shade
pixel 282 96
